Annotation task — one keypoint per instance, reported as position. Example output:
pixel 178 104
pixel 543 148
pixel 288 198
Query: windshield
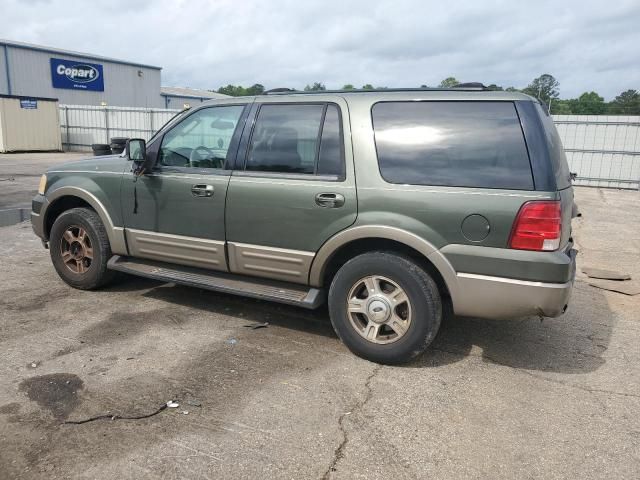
pixel 171 121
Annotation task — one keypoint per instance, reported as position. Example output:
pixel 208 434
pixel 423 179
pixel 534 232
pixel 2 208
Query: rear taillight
pixel 537 227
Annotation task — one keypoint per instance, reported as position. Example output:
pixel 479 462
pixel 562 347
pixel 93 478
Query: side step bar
pixel 263 289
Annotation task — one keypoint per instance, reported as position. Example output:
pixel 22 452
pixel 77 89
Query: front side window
pixel 452 143
pixel 202 139
pixel 297 138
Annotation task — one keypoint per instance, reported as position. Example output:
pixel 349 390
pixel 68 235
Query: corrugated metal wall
pixel 4 89
pixel 82 126
pixel 603 150
pixel 30 72
pixel 25 129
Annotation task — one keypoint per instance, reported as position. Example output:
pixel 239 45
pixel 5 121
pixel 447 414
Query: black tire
pixel 119 141
pixel 101 149
pixel 96 274
pixel 421 291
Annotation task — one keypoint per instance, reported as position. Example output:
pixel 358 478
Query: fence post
pixel 151 122
pixel 106 124
pixel 66 127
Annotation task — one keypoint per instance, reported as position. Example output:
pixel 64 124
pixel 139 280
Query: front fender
pixel 88 191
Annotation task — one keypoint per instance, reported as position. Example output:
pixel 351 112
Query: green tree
pixel 255 89
pixel 560 107
pixel 233 90
pixel 544 88
pixel 589 103
pixel 449 82
pixel 317 86
pixel 348 86
pixel 511 89
pixel 367 86
pixel 627 103
pixel 495 87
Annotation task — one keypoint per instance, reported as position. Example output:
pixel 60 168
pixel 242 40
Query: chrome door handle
pixel 329 200
pixel 202 190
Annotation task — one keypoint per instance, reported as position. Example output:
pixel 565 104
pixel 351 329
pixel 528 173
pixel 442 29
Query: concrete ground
pixel 490 399
pixel 20 174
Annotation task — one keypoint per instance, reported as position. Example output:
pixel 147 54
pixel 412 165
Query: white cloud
pixel 586 45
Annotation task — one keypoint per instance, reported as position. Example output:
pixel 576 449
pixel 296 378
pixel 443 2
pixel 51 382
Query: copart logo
pixel 78 73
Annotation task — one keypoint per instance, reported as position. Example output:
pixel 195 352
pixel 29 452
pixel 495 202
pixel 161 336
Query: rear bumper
pixel 498 297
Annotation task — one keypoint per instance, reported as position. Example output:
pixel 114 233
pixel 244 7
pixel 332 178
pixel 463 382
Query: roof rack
pixel 465 87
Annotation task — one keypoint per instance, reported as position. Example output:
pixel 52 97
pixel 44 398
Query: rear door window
pixel 452 143
pixel 297 138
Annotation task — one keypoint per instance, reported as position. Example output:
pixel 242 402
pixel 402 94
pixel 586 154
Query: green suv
pixel 393 206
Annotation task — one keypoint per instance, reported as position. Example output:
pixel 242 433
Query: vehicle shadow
pixel 252 311
pixel 572 343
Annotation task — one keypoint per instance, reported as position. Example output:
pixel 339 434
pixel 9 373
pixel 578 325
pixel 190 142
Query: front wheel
pixel 385 307
pixel 79 248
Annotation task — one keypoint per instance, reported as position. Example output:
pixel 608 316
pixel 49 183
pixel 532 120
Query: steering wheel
pixel 198 154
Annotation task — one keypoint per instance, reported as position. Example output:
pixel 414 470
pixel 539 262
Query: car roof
pixel 372 96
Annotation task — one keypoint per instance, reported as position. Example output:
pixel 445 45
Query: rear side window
pixel 556 151
pixel 331 156
pixel 297 138
pixel 463 144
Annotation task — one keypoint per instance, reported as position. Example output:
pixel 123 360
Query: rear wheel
pixel 79 248
pixel 384 307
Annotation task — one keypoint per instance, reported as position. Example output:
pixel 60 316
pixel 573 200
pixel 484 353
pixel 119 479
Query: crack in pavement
pixel 338 453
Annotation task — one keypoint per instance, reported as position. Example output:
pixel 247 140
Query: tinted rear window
pixel 464 144
pixel 556 151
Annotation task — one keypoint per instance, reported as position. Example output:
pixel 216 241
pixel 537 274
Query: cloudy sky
pixel 587 45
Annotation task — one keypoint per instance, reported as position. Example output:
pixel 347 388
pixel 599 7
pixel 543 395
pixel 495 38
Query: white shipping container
pixel 29 124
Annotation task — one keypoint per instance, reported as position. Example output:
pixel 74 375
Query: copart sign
pixel 76 75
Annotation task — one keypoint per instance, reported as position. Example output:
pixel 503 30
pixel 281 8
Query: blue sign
pixel 29 103
pixel 76 75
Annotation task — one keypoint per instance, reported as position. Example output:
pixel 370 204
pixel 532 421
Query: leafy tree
pixel 589 103
pixel 255 89
pixel 348 86
pixel 449 82
pixel 627 103
pixel 367 86
pixel 495 87
pixel 561 107
pixel 544 88
pixel 315 87
pixel 511 89
pixel 424 86
pixel 233 90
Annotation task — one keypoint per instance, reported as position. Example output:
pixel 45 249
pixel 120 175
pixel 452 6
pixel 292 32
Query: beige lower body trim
pixel 276 263
pixel 497 297
pixel 118 242
pixel 190 251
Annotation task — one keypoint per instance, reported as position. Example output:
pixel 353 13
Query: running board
pixel 263 289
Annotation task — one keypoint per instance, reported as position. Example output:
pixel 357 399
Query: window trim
pixel 240 167
pixel 231 152
pixel 524 139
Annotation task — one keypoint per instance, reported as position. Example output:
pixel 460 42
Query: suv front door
pixel 292 189
pixel 176 212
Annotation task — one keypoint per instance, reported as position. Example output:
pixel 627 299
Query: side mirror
pixel 137 152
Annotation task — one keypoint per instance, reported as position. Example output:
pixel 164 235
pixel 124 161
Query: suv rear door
pixel 293 186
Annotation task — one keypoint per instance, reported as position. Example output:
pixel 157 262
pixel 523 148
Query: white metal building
pixel 179 97
pixel 77 78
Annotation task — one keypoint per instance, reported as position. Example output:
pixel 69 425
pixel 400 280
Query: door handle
pixel 202 190
pixel 329 200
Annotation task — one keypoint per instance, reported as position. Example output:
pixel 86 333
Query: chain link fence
pixel 603 151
